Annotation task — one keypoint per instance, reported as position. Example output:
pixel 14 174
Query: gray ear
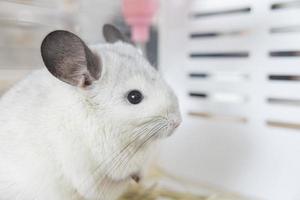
pixel 112 34
pixel 68 58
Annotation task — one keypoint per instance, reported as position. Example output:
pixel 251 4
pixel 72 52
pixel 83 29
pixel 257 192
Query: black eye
pixel 135 97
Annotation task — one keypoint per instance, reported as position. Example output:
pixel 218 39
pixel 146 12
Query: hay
pixel 139 192
pixel 157 191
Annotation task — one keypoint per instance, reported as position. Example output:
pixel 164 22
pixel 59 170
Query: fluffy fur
pixel 61 142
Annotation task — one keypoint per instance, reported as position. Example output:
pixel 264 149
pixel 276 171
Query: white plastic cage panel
pixel 23 24
pixel 236 68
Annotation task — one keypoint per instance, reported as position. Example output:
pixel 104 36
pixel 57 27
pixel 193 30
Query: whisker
pixel 119 158
pixel 115 155
pixel 137 134
pixel 124 162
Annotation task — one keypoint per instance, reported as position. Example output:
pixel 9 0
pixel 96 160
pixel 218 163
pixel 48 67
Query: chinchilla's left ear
pixel 113 34
pixel 69 59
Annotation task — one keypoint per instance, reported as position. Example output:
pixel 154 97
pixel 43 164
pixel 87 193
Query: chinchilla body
pixel 85 125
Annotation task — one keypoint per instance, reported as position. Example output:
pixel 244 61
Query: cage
pixel 234 66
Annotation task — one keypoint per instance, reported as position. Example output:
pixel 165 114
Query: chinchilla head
pixel 130 101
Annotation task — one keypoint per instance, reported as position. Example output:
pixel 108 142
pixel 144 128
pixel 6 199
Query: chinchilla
pixel 84 126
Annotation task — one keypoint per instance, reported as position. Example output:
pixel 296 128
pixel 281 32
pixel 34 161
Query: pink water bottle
pixel 138 14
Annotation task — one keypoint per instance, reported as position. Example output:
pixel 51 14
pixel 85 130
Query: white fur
pixel 53 135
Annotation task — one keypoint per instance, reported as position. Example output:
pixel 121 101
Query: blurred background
pixel 235 66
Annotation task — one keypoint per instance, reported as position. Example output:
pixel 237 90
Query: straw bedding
pixel 153 189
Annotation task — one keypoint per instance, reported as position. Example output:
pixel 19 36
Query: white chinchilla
pixel 85 126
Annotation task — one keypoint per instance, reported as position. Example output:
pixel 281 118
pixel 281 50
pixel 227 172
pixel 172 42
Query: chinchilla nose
pixel 174 123
pixel 174 120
